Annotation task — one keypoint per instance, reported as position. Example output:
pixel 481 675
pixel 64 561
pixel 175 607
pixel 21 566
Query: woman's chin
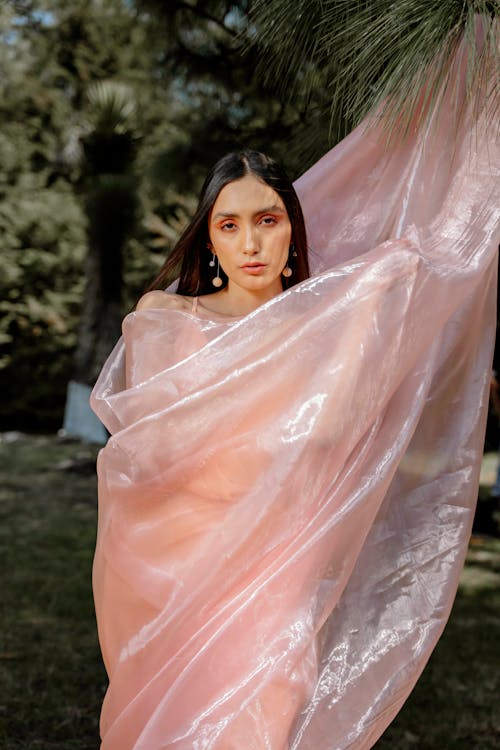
pixel 258 282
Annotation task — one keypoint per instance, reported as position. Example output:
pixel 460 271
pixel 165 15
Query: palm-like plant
pixel 109 148
pixel 359 55
pixel 106 149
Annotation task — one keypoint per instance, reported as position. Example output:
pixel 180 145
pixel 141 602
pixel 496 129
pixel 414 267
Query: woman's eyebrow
pixel 232 214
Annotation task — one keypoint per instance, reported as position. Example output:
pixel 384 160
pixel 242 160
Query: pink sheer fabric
pixel 286 498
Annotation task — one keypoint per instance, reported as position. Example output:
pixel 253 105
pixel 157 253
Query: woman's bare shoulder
pixel 158 299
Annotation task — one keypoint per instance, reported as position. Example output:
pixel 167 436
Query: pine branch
pixel 376 53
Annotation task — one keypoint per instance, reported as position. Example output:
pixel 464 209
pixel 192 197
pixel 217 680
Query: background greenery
pixel 189 93
pixel 111 112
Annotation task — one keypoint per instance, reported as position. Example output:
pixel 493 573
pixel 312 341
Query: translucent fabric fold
pixel 286 498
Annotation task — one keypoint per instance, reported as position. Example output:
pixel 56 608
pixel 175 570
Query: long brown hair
pixel 190 257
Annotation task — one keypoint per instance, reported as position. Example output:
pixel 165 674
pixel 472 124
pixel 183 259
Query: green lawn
pixel 51 678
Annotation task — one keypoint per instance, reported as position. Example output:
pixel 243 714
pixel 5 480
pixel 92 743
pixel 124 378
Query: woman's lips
pixel 253 268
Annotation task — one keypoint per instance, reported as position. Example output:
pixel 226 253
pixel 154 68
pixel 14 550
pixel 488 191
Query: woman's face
pixel 250 233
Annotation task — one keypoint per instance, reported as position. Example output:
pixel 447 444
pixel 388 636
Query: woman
pixel 249 218
pixel 287 495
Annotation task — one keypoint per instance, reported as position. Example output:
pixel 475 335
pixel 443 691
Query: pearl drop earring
pixel 216 281
pixel 287 271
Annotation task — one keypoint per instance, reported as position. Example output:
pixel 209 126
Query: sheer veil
pixel 286 499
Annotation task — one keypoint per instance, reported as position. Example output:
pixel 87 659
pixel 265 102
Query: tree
pixel 374 53
pixel 49 57
pixel 218 98
pixel 216 102
pixel 109 149
pixel 41 230
pixel 197 94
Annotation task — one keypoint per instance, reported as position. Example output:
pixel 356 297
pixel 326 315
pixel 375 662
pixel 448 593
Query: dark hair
pixel 190 257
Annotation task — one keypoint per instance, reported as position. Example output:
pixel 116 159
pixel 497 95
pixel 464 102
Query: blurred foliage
pixel 42 246
pixel 202 77
pixel 50 54
pixel 195 94
pixel 219 100
pixel 378 54
pixel 41 235
pixel 108 153
pixel 45 70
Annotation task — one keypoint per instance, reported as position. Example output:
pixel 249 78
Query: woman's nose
pixel 251 240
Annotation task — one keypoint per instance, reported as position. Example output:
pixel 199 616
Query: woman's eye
pixel 269 220
pixel 228 225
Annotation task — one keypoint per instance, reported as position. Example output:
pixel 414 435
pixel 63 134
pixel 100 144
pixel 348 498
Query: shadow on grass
pixel 51 677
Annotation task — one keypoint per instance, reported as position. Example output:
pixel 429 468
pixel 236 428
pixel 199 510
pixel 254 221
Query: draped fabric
pixel 286 497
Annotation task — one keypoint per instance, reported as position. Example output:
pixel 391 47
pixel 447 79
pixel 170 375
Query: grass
pixel 455 704
pixel 51 677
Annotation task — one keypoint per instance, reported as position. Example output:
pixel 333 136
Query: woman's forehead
pixel 247 195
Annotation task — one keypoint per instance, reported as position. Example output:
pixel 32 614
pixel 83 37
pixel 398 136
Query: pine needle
pixel 392 57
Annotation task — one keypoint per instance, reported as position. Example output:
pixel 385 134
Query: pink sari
pixel 286 498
